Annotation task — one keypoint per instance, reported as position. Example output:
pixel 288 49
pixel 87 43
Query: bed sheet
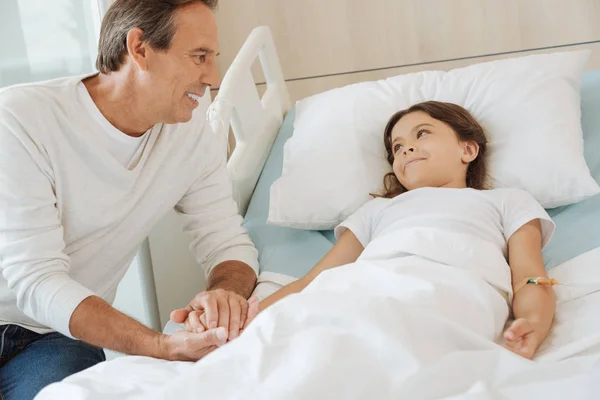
pixel 574 338
pixel 292 252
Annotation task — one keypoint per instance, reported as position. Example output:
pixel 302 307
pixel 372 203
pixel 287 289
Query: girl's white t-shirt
pixel 490 215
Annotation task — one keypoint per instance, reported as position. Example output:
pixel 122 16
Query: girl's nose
pixel 409 149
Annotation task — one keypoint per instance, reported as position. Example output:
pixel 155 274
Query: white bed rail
pixel 254 121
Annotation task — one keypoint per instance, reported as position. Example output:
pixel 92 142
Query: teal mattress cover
pixel 294 252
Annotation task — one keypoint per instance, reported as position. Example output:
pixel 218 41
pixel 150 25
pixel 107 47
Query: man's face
pixel 178 77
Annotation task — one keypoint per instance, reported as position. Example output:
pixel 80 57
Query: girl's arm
pixel 533 305
pixel 345 251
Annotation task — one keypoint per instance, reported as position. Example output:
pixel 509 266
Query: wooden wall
pixel 324 44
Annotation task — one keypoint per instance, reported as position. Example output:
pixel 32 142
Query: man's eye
pixel 201 59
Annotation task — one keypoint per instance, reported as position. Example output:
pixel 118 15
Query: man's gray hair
pixel 154 17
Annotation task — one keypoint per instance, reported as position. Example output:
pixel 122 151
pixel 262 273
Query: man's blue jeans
pixel 30 361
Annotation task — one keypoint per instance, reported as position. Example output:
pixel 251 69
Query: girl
pixel 437 151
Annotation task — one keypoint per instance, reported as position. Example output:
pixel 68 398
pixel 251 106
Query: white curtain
pixel 41 39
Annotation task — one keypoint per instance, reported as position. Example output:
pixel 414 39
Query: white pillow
pixel 529 107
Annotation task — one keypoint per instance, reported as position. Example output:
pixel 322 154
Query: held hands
pixel 211 319
pixel 253 310
pixel 522 338
pixel 217 308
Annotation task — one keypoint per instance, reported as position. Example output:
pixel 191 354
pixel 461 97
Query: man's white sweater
pixel 72 215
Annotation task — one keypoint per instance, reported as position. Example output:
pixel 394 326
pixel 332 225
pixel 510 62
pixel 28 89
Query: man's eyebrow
pixel 203 50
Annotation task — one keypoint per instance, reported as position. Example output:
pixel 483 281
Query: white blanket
pixel 392 325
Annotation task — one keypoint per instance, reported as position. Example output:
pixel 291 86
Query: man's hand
pixel 522 338
pixel 253 310
pixel 96 322
pixel 187 346
pixel 218 308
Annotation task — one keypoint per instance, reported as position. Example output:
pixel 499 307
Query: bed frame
pixel 254 121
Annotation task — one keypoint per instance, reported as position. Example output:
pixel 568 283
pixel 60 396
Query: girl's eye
pixel 421 133
pixel 397 148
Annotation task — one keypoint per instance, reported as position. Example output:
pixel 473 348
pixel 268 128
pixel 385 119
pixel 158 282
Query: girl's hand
pixel 522 338
pixel 253 310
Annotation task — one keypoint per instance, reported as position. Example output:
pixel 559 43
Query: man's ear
pixel 470 151
pixel 137 48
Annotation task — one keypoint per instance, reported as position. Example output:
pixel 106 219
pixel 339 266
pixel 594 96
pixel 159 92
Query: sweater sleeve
pixel 32 257
pixel 211 214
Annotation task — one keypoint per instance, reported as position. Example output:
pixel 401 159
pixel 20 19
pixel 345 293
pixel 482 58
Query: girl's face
pixel 428 153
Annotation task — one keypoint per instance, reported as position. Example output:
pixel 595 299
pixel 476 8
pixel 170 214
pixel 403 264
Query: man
pixel 87 166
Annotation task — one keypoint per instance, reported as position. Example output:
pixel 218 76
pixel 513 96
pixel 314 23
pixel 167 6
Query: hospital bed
pixel 261 126
pixel 286 254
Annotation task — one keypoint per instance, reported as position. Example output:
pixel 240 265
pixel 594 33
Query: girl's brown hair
pixel 464 125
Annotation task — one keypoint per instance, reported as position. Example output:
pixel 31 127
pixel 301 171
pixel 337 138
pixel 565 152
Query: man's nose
pixel 210 77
